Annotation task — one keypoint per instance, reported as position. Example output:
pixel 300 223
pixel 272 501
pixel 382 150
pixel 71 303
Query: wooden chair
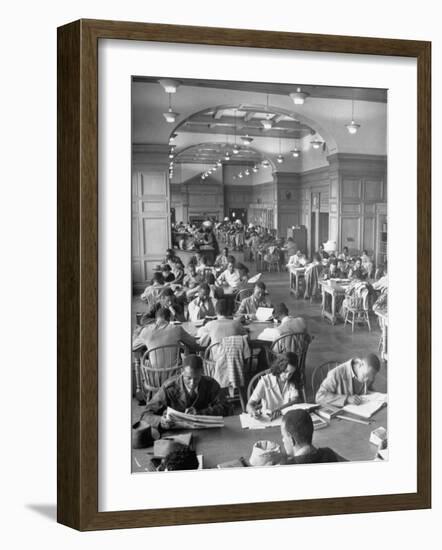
pixel 254 381
pixel 319 374
pixel 209 359
pixel 356 313
pixel 163 356
pixel 153 378
pixel 243 293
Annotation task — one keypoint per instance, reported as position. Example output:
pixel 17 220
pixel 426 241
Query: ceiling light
pixel 279 159
pixel 171 155
pixel 227 156
pixel 316 143
pixel 235 149
pixel 170 116
pixel 219 163
pixel 247 140
pixel 299 97
pixel 267 124
pixel 296 152
pixel 352 127
pixel 255 169
pixel 172 138
pixel 247 172
pixel 240 175
pixel 265 163
pixel 170 86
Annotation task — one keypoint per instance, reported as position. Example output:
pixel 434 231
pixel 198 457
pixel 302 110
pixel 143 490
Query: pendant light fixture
pixel 170 86
pixel 316 143
pixel 247 140
pixel 299 97
pixel 352 127
pixel 171 115
pixel 267 122
pixel 236 147
pixel 296 152
pixel 279 158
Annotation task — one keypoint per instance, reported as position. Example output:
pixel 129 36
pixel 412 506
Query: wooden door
pixel 151 232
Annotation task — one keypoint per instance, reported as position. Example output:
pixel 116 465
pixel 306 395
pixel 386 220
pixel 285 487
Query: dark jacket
pixel 321 454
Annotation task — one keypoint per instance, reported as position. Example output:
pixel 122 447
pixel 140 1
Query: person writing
pixel 347 382
pixel 191 392
pixel 259 298
pixel 282 385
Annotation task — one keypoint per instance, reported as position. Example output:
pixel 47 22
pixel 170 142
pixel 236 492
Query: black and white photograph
pixel 259 273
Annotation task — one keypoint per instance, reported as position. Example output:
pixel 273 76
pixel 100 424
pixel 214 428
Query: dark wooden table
pixel 218 445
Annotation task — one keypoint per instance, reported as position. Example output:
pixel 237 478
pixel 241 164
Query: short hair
pixel 372 361
pixel 170 251
pixel 242 267
pixel 163 313
pixel 210 278
pixel 181 459
pixel 167 292
pixel 364 252
pixel 222 307
pixel 261 285
pixel 316 257
pixel 225 249
pixel 205 287
pixel 166 267
pixel 193 362
pixel 157 277
pixel 231 260
pixel 280 310
pixel 333 262
pixel 299 425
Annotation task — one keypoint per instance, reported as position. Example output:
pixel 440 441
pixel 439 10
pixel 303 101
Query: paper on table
pixel 269 334
pixel 264 421
pixel 264 313
pixel 371 403
pixel 255 278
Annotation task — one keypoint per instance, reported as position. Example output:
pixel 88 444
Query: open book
pixel 193 421
pixel 269 334
pixel 371 403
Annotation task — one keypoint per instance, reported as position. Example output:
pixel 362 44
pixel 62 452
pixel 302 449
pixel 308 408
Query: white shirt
pixel 231 279
pixel 269 394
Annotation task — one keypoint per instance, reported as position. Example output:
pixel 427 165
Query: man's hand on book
pixel 190 410
pixel 354 400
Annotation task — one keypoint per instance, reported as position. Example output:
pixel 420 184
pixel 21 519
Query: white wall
pixel 28 272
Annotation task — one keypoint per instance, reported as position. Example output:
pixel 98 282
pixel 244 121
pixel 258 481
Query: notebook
pixel 264 313
pixel 371 403
pixel 269 334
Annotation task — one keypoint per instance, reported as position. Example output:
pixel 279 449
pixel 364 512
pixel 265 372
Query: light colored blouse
pixel 269 394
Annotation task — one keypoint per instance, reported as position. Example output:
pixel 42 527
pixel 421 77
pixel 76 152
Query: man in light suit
pixel 259 298
pixel 214 331
pixel 345 383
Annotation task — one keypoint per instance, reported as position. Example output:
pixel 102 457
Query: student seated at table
pixel 297 437
pixel 259 298
pixel 281 386
pixel 367 263
pixel 344 255
pixel 177 270
pixel 191 281
pixel 171 257
pixel 287 324
pixel 203 305
pixel 222 259
pixel 214 331
pixel 297 260
pixel 202 265
pixel 342 268
pixel 357 271
pixel 167 274
pixel 168 300
pixel 215 292
pixel 231 277
pixel 162 333
pixel 191 392
pixel 152 291
pixel 332 271
pixel 347 382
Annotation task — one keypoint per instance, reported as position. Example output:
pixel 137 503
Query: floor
pixel 330 342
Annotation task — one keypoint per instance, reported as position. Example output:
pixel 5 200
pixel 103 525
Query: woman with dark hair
pixel 282 385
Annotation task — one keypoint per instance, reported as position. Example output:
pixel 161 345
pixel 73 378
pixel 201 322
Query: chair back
pixel 254 381
pixel 163 357
pixel 210 358
pixel 296 342
pixel 319 374
pixel 355 302
pixel 243 293
pixel 154 378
